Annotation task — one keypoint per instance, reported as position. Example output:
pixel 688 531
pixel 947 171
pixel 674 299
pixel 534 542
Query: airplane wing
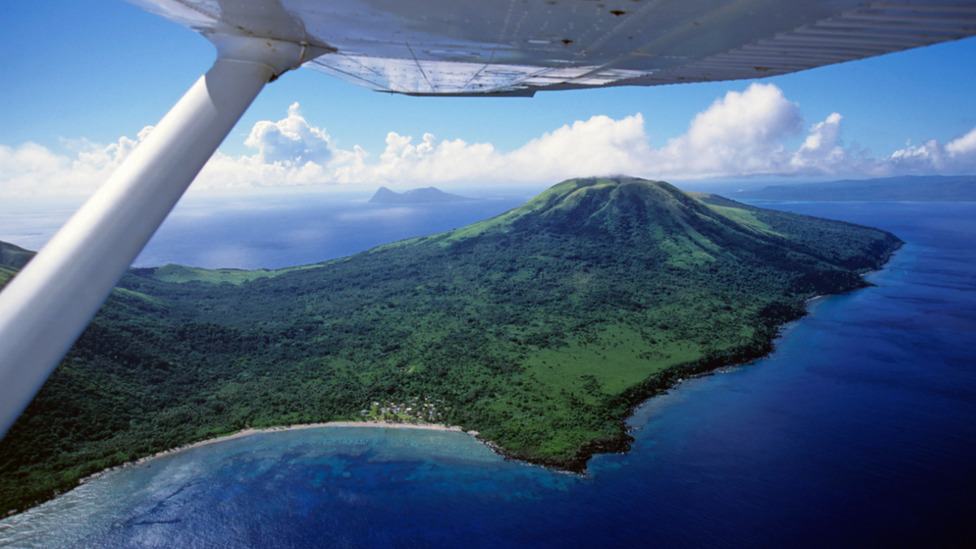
pixel 417 47
pixel 518 47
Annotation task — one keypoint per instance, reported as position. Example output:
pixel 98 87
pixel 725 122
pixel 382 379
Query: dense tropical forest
pixel 540 329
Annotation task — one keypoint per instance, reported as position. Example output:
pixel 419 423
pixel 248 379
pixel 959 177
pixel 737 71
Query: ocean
pixel 859 430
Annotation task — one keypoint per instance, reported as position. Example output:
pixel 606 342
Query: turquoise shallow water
pixel 860 430
pixel 259 481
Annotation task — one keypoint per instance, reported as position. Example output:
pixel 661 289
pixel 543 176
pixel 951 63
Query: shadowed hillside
pixel 12 258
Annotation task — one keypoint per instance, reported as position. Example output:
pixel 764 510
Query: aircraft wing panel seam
pixel 420 68
pixel 494 49
pixel 331 70
pixel 825 42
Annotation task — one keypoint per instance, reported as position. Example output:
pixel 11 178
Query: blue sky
pixel 82 79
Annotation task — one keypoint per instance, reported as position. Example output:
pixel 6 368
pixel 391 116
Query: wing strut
pixel 47 305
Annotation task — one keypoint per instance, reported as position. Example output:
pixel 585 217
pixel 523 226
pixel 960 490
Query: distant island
pixel 891 189
pixel 540 328
pixel 428 195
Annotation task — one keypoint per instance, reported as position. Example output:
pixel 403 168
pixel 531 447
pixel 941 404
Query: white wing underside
pixel 517 47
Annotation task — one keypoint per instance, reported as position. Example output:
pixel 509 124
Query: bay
pixel 859 430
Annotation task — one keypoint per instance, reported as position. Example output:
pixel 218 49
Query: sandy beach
pixel 248 432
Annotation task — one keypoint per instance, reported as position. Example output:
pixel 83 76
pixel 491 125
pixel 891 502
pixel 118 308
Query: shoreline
pixel 666 381
pixel 299 427
pixel 660 383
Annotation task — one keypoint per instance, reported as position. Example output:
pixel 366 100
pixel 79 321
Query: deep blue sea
pixel 858 431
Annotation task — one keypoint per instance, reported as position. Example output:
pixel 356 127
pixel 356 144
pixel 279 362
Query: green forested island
pixel 540 328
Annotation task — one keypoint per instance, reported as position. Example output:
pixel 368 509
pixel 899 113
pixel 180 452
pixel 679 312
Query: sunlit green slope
pixel 539 328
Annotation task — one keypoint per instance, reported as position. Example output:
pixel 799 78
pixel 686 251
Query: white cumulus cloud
pixel 956 156
pixel 743 133
pixel 31 169
pixel 964 146
pixel 597 146
pixel 291 139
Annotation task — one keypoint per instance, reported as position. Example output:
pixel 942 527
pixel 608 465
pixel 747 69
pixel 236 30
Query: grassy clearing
pixel 618 357
pixel 179 274
pixel 745 218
